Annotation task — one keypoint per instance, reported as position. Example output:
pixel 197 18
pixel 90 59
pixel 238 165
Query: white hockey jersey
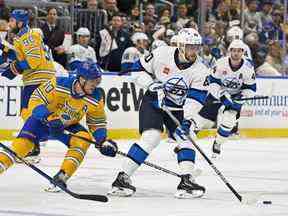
pixel 161 65
pixel 234 82
pixel 132 54
pixel 81 53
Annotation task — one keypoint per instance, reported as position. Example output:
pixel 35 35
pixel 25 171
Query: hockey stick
pixel 252 98
pixel 245 200
pixel 125 155
pixel 94 197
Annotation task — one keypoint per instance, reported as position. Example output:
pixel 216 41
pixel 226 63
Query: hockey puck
pixel 267 202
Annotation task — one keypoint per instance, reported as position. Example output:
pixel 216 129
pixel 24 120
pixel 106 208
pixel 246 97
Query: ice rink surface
pixel 252 166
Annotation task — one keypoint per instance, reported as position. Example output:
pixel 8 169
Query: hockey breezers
pixel 245 200
pixel 94 197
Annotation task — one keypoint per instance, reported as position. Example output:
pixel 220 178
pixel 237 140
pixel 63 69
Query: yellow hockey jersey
pixel 56 95
pixel 29 47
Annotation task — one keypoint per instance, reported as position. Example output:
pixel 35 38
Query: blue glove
pixel 182 130
pixel 226 100
pixel 109 148
pixel 55 125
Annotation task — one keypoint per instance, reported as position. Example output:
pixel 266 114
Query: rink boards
pixel 261 118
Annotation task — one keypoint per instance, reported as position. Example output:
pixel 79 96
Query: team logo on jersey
pixel 231 83
pixel 69 112
pixel 176 90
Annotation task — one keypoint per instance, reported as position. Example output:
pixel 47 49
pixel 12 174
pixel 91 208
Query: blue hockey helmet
pixel 89 70
pixel 20 15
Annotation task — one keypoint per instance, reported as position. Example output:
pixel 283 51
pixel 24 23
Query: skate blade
pixel 52 189
pixel 120 192
pixel 182 194
pixel 33 159
pixel 215 155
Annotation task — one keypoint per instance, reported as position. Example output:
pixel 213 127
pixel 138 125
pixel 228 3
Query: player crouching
pixel 58 106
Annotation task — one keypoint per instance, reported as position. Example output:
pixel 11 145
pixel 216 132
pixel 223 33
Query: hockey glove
pixel 226 100
pixel 55 125
pixel 184 129
pixel 109 148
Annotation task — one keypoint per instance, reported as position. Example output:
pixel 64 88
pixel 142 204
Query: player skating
pixel 167 73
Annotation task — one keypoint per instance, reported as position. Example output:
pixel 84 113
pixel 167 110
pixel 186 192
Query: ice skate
pixel 216 150
pixel 188 188
pixel 122 186
pixel 60 178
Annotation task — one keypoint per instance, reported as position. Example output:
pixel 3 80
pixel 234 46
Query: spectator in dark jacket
pixel 112 43
pixel 54 36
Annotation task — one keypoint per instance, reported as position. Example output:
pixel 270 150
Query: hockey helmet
pixel 235 33
pixel 138 36
pixel 189 36
pixel 83 32
pixel 236 44
pixel 89 70
pixel 20 15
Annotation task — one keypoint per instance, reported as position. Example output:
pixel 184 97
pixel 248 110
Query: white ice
pixel 252 166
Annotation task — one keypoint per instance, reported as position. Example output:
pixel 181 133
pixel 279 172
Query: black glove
pixel 109 148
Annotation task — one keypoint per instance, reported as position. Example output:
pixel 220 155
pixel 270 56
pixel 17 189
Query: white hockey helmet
pixel 236 44
pixel 83 32
pixel 235 33
pixel 189 36
pixel 138 36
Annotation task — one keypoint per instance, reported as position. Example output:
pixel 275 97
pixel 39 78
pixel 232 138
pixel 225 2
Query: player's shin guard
pixel 223 133
pixel 76 153
pixel 21 146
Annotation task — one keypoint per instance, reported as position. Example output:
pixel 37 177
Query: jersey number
pixel 148 58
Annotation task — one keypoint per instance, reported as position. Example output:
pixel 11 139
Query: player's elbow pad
pixel 7 72
pixel 40 112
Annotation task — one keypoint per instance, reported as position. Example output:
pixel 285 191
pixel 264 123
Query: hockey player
pixel 167 74
pixel 81 51
pixel 33 61
pixel 132 54
pixel 233 78
pixel 57 106
pixel 236 33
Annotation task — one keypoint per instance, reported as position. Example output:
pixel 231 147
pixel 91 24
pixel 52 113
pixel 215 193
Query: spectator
pixel 222 13
pixel 252 19
pixel 81 51
pixel 92 18
pixel 266 12
pixel 275 56
pixel 234 9
pixel 112 43
pixel 54 36
pixel 277 17
pixel 150 12
pixel 182 17
pixel 111 8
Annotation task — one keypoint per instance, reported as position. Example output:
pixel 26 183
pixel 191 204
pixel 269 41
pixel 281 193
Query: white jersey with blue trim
pixel 235 82
pixel 161 66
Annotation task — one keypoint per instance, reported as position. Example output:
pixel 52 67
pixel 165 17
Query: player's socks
pixel 188 188
pixel 122 186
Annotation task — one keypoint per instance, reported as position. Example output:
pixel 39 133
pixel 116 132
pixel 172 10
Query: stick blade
pixel 250 199
pixel 93 197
